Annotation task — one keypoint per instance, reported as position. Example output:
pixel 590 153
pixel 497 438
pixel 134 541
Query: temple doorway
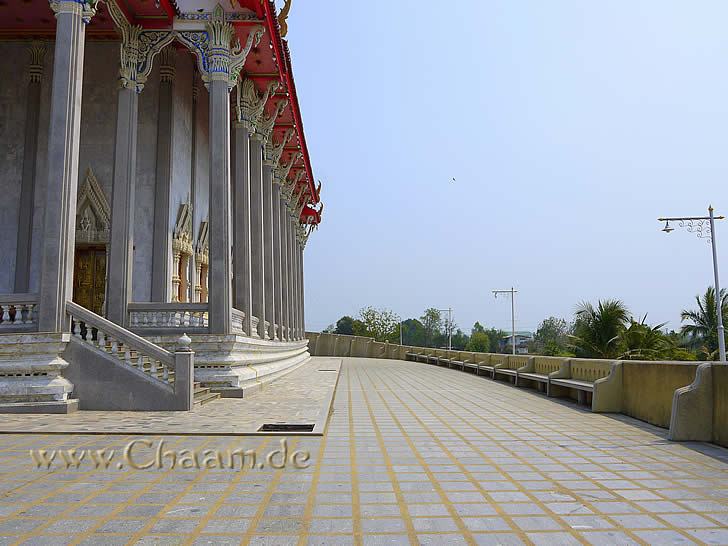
pixel 89 278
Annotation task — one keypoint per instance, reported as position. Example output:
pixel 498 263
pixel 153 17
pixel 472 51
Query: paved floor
pixel 413 454
pixel 302 396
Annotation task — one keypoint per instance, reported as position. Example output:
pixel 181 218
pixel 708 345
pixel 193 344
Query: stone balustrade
pixel 151 318
pixel 18 313
pixel 130 349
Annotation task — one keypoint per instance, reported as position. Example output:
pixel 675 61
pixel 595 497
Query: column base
pixel 236 365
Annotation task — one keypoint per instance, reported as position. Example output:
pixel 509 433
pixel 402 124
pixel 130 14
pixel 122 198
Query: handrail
pixel 127 337
pixel 166 306
pixel 18 298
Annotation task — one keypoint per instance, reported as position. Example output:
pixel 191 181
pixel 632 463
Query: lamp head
pixel 667 228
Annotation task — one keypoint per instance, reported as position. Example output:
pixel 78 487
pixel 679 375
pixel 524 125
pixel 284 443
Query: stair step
pixel 205 398
pixel 201 390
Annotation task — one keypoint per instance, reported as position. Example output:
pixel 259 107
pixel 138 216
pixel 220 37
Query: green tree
pixel 381 324
pixel 496 335
pixel 413 333
pixel 477 328
pixel 597 330
pixel 345 326
pixel 551 337
pixel 479 342
pixel 640 341
pixel 432 324
pixel 702 333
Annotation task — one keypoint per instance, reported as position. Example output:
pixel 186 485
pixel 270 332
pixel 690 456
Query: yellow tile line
pixel 401 503
pixel 311 496
pixel 464 531
pixel 597 485
pixel 119 507
pixel 252 528
pixel 355 498
pixel 236 479
pixel 79 479
pixel 509 517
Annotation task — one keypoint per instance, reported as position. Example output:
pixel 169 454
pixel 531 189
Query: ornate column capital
pixel 137 50
pixel 273 150
pixel 85 9
pixel 36 53
pixel 281 172
pixel 250 103
pixel 265 124
pixel 219 53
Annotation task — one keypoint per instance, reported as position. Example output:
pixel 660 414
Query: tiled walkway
pixel 413 454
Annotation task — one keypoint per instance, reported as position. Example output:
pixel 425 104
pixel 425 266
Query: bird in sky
pixel 453 179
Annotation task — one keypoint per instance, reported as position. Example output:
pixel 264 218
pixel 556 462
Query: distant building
pixel 522 341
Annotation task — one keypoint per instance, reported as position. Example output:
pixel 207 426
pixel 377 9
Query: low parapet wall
pixel 692 404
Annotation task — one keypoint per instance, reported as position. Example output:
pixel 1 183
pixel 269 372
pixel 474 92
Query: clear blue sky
pixel 570 126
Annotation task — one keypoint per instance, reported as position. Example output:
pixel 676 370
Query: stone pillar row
pixel 253 230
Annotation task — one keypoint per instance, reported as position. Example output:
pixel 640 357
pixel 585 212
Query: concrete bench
pixel 487 362
pixel 581 375
pixel 539 369
pixel 509 367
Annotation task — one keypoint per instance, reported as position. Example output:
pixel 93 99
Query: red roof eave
pixel 284 69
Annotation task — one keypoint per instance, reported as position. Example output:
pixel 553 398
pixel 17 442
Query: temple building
pixel 157 197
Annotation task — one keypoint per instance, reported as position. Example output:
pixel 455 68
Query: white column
pixel 278 285
pixel 30 157
pixel 161 246
pixel 256 229
pixel 220 267
pixel 242 266
pixel 282 223
pixel 59 231
pixel 269 269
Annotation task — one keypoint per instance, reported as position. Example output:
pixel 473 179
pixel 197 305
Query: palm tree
pixel 597 330
pixel 703 332
pixel 640 341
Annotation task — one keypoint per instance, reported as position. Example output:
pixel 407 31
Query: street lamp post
pixel 449 327
pixel 512 292
pixel 704 227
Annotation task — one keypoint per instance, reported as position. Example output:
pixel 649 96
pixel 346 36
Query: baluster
pixel 153 319
pixel 101 340
pixel 127 355
pixel 75 328
pixel 114 347
pixel 177 319
pixel 153 368
pixel 89 335
pixel 165 372
pixel 140 362
pixel 6 313
pixel 32 314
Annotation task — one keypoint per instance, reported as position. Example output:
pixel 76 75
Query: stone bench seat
pixel 578 384
pixel 541 378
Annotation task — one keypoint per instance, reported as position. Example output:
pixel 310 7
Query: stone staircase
pixel 203 395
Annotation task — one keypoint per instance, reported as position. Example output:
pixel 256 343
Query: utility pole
pixel 512 292
pixel 449 327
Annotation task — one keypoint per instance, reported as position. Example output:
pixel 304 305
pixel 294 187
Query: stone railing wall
pixel 694 406
pixel 175 370
pixel 156 318
pixel 18 313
